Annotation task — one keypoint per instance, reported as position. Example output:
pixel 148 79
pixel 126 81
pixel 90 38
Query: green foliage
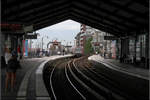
pixel 88 49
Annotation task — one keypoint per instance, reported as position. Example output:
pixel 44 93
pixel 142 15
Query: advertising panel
pixel 26 48
pixel 23 47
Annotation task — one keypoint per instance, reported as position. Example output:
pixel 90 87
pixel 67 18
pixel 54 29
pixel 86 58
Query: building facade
pixel 99 45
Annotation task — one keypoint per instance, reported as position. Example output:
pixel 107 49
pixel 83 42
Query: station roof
pixel 118 17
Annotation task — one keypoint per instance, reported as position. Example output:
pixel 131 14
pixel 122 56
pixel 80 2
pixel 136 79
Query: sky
pixel 66 30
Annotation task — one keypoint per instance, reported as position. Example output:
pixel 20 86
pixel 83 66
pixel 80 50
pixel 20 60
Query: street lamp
pixel 63 41
pixel 43 43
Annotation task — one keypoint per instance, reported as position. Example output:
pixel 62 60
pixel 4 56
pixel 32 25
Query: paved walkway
pixel 27 65
pixel 29 84
pixel 122 67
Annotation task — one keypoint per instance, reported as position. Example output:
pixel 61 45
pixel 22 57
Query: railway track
pixel 76 79
pixel 60 87
pixel 102 84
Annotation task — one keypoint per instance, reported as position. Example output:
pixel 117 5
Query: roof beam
pixel 84 21
pixel 100 16
pixel 88 15
pixel 109 13
pixel 109 2
pixel 33 6
pixel 47 13
pixel 143 2
pixel 93 23
pixel 51 22
pixel 62 13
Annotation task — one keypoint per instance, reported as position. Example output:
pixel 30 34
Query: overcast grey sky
pixel 66 30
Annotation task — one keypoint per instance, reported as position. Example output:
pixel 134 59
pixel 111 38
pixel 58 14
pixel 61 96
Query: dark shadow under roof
pixel 119 17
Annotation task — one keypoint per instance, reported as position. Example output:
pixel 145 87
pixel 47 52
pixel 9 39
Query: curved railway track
pixel 76 79
pixel 102 84
pixel 61 88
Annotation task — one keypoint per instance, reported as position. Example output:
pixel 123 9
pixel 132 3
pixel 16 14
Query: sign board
pixel 110 38
pixel 30 34
pixel 34 36
pixel 28 28
pixel 17 32
pixel 25 47
pixel 11 28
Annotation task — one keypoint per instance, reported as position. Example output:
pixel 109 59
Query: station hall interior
pixel 127 21
pixel 107 57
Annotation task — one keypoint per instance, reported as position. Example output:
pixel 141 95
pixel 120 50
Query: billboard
pixel 34 36
pixel 28 28
pixel 25 47
pixel 110 38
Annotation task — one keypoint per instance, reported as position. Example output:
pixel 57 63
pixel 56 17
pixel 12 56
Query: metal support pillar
pixel 121 49
pixel 0 52
pixel 124 47
pixel 117 49
pixel 127 46
pixel 2 44
pixel 147 50
pixel 42 46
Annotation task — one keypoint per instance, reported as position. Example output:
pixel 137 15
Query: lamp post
pixel 42 46
pixel 43 43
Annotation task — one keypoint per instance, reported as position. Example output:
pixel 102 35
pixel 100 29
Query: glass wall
pixel 132 47
pixel 140 47
pixel 142 44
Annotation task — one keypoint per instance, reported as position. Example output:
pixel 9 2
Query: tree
pixel 88 49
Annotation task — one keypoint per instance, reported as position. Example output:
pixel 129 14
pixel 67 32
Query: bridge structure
pixel 65 77
pixel 127 19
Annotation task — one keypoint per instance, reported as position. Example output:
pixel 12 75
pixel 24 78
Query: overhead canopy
pixel 119 17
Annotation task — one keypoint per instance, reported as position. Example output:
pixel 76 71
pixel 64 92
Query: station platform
pixel 29 80
pixel 130 69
